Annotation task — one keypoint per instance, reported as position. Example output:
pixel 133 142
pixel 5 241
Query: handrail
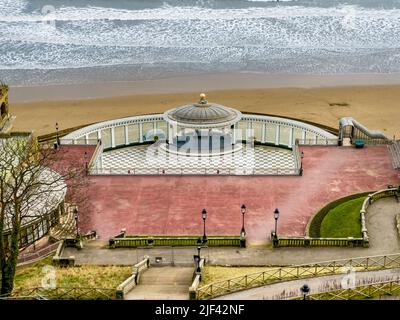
pixel 367 290
pixel 276 120
pixel 39 254
pixel 128 284
pixel 301 271
pixel 60 293
pixel 195 171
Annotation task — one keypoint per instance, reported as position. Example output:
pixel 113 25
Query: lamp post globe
pixel 305 290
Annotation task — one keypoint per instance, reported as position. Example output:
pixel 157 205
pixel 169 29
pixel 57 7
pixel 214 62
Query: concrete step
pixel 163 283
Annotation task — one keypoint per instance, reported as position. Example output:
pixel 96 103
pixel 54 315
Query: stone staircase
pixel 394 149
pixel 165 283
pixel 66 228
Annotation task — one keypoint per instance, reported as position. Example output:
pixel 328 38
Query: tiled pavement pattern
pixel 153 160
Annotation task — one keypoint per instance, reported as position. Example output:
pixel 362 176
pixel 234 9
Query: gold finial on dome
pixel 203 98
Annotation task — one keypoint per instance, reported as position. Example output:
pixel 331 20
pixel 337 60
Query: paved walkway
pixel 291 289
pixel 166 283
pixel 173 204
pixel 380 223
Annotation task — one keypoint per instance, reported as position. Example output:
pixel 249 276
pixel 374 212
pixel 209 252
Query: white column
pixel 234 133
pixel 126 135
pixel 277 134
pixel 316 139
pixel 141 132
pixel 170 134
pixel 99 134
pixel 248 131
pixel 86 138
pixel 303 136
pixel 291 137
pixel 264 128
pixel 113 137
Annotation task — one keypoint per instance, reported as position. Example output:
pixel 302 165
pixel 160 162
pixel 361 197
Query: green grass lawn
pixel 343 221
pixel 86 276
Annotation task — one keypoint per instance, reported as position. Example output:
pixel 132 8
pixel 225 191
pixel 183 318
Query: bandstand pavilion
pixel 200 138
pixel 202 129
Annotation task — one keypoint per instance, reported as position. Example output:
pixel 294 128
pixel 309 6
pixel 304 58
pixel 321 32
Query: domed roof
pixel 203 114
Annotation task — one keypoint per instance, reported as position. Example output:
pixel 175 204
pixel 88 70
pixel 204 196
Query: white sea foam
pixel 73 37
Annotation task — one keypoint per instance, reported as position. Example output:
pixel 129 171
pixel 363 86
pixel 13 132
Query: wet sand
pixel 374 100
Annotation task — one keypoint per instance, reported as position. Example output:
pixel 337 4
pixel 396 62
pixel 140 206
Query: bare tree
pixel 32 178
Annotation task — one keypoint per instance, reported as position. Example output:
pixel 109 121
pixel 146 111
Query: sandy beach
pixel 371 99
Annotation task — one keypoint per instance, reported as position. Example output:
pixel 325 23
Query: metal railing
pixel 194 171
pixel 39 254
pixel 361 291
pixel 133 242
pixel 279 274
pixel 62 293
pixel 318 142
pixel 81 141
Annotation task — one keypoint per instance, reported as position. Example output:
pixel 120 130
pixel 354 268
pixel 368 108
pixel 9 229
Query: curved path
pixel 291 289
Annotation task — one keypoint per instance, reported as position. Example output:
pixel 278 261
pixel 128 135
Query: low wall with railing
pixel 195 171
pixel 59 260
pixel 141 128
pixel 315 240
pixel 151 241
pixel 196 280
pixel 126 286
pixel 303 271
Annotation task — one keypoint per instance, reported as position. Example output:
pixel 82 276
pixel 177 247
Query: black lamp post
pixel 243 211
pixel 301 163
pixel 204 216
pixel 76 221
pixel 276 217
pixel 57 136
pixel 305 290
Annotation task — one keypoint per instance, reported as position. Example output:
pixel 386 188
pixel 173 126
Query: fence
pixel 32 257
pixel 62 293
pixel 372 142
pixel 317 142
pixel 296 272
pixel 318 242
pixel 151 241
pixel 82 141
pixel 377 289
pixel 195 171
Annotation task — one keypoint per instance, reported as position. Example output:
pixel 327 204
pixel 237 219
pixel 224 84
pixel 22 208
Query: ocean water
pixel 70 41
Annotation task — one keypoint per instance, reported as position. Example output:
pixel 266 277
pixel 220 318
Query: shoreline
pixel 198 83
pixel 376 107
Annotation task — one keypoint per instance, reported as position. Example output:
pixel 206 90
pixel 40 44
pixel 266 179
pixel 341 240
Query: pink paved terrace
pixel 172 204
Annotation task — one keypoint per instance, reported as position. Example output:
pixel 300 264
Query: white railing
pixel 318 142
pixel 195 171
pixel 318 134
